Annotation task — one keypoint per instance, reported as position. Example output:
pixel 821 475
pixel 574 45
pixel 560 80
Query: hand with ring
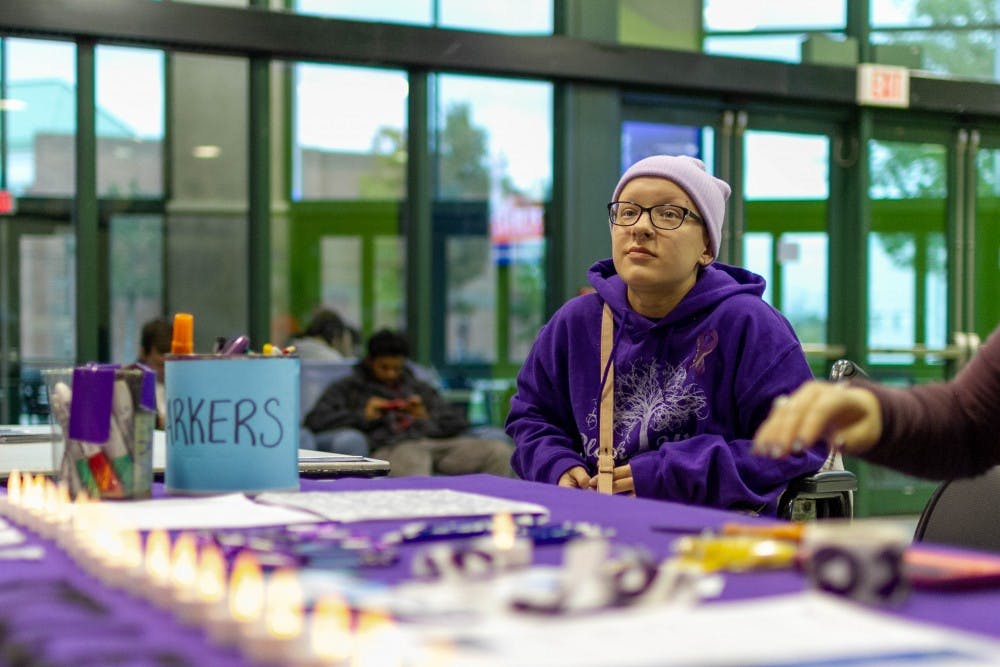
pixel 845 417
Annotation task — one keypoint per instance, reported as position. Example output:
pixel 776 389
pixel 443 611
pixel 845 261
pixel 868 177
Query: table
pixel 47 607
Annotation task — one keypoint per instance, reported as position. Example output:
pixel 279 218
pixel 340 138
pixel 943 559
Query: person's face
pixel 649 259
pixel 154 360
pixel 387 370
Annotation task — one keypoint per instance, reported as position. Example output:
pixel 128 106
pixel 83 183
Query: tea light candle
pixel 275 638
pixel 207 598
pixel 330 640
pixel 156 563
pixel 245 601
pixel 509 549
pixel 183 564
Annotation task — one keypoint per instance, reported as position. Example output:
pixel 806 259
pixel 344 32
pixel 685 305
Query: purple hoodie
pixel 690 390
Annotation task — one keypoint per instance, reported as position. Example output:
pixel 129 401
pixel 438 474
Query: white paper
pixel 797 629
pixel 349 506
pixel 233 510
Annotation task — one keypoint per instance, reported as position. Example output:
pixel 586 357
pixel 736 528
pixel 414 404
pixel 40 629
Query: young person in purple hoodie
pixel 698 358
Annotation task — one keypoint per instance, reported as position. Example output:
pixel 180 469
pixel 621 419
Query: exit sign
pixel 8 204
pixel 883 85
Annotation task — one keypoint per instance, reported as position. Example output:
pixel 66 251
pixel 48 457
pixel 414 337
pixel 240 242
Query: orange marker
pixel 782 531
pixel 183 335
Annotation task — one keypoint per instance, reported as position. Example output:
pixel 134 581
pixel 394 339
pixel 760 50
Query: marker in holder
pixel 232 423
pixel 102 419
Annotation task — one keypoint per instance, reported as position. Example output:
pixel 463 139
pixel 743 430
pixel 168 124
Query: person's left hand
pixel 622 483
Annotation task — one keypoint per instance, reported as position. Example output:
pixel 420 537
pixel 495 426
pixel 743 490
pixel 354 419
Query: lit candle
pixel 330 638
pixel 206 601
pixel 275 638
pixel 157 565
pixel 62 513
pixel 183 565
pixel 245 600
pixel 31 500
pixel 508 550
pixel 105 552
pixel 48 510
pixel 75 535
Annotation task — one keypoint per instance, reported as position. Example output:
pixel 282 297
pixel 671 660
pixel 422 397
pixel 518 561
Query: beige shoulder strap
pixel 605 452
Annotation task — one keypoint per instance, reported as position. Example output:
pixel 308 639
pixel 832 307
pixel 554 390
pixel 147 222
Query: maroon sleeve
pixel 944 429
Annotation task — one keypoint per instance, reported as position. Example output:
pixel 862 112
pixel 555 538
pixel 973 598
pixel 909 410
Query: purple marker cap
pixel 148 398
pixel 90 409
pixel 237 345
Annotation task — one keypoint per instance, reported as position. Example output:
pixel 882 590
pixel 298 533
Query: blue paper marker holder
pixel 232 424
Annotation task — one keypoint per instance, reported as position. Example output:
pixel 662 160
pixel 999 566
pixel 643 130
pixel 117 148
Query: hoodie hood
pixel 716 283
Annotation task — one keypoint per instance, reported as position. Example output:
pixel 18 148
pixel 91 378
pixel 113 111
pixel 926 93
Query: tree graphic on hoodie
pixel 654 401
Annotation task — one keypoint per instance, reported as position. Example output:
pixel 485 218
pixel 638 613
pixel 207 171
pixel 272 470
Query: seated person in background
pixel 154 343
pixel 940 430
pixel 326 336
pixel 698 358
pixel 407 421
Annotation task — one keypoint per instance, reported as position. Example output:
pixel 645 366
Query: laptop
pixel 33 453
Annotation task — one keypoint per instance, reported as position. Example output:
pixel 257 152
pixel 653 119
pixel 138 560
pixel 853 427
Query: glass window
pixel 786 48
pixel 787 166
pixel 349 177
pixel 954 47
pixel 136 284
pixel 744 16
pixel 965 53
pixel 511 16
pixel 641 139
pixel 494 175
pixel 344 149
pixel 129 122
pixel 40 110
pixel 207 240
pixel 417 12
pixel 787 187
pixel 907 272
pixel 340 275
pixel 769 30
pixel 47 297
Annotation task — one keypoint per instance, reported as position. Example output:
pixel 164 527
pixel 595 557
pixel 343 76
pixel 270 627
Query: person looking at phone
pixel 405 419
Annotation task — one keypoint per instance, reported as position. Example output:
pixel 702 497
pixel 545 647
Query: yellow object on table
pixel 735 553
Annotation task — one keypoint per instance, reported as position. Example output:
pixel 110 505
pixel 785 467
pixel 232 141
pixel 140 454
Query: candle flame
pixel 211 581
pixel 283 605
pixel 158 557
pixel 504 530
pixel 14 488
pixel 246 588
pixel 183 568
pixel 330 629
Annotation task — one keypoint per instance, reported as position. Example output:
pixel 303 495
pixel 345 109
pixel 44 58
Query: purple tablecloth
pixel 53 611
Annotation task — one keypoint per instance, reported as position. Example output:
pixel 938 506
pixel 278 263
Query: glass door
pixel 786 179
pixel 914 252
pixel 37 299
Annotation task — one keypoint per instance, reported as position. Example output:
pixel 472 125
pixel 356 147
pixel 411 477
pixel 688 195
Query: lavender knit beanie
pixel 708 193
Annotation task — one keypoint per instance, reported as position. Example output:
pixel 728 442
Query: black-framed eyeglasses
pixel 664 216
